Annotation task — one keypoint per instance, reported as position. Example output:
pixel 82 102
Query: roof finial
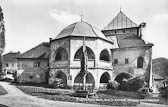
pixel 81 17
pixel 120 8
pixel 120 5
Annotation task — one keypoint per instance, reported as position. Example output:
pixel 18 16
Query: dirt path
pixel 16 98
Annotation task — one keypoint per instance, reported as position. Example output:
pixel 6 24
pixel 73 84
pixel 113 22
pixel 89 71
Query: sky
pixel 31 22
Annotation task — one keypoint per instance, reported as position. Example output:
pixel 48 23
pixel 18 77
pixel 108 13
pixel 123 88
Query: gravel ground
pixel 2 91
pixel 16 98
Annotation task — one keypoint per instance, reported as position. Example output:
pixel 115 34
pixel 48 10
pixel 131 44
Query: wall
pixel 132 54
pixel 27 63
pixel 56 66
pixel 64 43
pixel 71 67
pixel 96 67
pixel 12 66
pixel 27 72
pixel 120 31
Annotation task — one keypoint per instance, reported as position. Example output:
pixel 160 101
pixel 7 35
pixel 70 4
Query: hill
pixel 160 67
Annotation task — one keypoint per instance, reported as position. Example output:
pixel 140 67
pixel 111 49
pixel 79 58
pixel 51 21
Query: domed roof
pixel 81 29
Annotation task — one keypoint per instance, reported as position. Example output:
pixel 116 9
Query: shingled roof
pixel 80 29
pixel 119 22
pixel 40 51
pixel 128 40
pixel 11 56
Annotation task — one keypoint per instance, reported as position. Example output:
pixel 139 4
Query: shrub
pixel 113 85
pixel 132 85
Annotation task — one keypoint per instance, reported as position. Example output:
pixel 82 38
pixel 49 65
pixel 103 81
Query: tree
pixel 2 38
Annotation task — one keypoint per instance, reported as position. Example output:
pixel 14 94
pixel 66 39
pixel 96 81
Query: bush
pixel 132 85
pixel 113 85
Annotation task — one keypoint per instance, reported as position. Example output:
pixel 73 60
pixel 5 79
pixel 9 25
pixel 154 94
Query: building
pixel 66 50
pixel 115 53
pixel 34 64
pixel 131 55
pixel 10 64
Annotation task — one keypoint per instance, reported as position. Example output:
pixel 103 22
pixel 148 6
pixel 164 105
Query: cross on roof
pixel 81 17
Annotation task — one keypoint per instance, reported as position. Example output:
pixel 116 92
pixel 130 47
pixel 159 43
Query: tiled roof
pixel 119 22
pixel 81 29
pixel 11 56
pixel 40 51
pixel 128 40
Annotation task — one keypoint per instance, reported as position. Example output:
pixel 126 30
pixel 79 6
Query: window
pixel 70 77
pixel 12 64
pixel 140 61
pixel 104 55
pixel 115 61
pixel 115 31
pixel 58 57
pixel 30 77
pixel 61 54
pixel 7 65
pixel 123 31
pixel 18 64
pixel 79 52
pixel 37 64
pixel 126 60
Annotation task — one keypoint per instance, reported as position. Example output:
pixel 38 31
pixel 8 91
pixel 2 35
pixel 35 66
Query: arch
pixel 62 76
pixel 140 61
pixel 61 54
pixel 104 55
pixel 121 76
pixel 89 79
pixel 105 78
pixel 90 53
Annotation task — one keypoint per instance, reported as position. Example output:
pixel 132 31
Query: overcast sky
pixel 31 22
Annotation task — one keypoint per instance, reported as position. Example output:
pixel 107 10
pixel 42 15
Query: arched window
pixel 58 57
pixel 61 55
pixel 90 53
pixel 62 76
pixel 119 78
pixel 105 78
pixel 89 79
pixel 140 61
pixel 104 55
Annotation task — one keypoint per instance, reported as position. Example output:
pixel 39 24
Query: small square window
pixel 70 77
pixel 126 60
pixel 115 61
pixel 7 65
pixel 30 77
pixel 123 31
pixel 37 64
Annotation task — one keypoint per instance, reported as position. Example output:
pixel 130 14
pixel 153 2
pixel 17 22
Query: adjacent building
pixel 34 64
pixel 131 55
pixel 10 64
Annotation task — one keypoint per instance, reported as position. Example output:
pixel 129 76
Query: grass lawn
pixel 101 98
pixel 2 91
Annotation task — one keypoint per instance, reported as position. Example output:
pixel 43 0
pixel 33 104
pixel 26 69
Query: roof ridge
pixel 96 33
pixel 120 21
pixel 31 49
pixel 74 27
pixel 92 28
